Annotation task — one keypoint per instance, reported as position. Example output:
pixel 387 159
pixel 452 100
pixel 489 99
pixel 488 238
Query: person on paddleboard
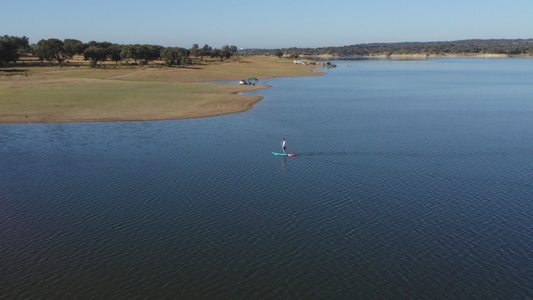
pixel 283 145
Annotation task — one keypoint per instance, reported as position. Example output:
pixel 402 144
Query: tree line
pixel 11 46
pixel 502 46
pixel 61 50
pixel 53 49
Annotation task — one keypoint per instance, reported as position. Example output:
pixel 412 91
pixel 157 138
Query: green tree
pixel 41 51
pixel 73 47
pixel 195 50
pixel 21 43
pixel 220 53
pixel 215 53
pixel 168 56
pixel 149 52
pixel 130 51
pixel 174 55
pixel 95 53
pixel 228 51
pixel 114 52
pixel 103 45
pixel 57 49
pixel 8 49
pixel 205 51
pixel 51 49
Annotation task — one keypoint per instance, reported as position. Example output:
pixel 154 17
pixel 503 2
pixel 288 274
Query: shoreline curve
pixel 74 94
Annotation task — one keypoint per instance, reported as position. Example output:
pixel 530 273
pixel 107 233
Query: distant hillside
pixel 513 47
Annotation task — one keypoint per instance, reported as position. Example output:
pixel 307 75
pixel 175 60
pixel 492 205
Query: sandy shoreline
pixel 78 94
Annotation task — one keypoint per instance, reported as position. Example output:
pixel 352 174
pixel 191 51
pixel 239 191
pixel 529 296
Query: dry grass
pixel 79 93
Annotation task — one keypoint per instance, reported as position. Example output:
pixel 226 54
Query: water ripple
pixel 388 196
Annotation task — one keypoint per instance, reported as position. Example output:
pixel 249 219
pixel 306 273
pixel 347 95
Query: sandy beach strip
pixel 81 94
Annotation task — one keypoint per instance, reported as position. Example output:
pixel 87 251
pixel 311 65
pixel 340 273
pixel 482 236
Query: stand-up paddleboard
pixel 283 154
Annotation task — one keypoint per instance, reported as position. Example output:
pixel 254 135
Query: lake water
pixel 412 179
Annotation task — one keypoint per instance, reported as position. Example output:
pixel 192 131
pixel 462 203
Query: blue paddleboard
pixel 283 154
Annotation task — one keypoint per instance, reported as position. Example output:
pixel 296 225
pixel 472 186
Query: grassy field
pixel 77 93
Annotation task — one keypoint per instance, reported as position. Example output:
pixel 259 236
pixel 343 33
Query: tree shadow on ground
pixel 9 71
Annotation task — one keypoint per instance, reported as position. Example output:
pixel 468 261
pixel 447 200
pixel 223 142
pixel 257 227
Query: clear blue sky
pixel 266 24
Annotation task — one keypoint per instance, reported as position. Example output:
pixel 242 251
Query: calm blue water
pixel 413 179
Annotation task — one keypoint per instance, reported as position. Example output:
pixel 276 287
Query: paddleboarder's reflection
pixel 284 164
